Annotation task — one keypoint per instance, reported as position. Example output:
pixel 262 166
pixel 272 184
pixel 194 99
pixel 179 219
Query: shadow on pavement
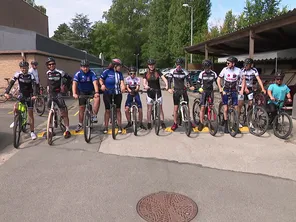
pixel 6 139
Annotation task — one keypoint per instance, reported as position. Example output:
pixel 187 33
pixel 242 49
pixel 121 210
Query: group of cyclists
pixel 238 83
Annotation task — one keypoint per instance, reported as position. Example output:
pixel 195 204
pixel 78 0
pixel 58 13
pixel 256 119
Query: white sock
pixel 67 128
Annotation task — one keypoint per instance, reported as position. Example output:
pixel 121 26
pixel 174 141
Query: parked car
pixel 193 74
pixel 165 72
pixel 142 71
pixel 98 71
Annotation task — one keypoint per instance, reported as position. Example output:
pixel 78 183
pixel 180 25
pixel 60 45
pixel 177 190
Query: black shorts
pixel 177 96
pixel 82 101
pixel 204 97
pixel 108 99
pixel 58 100
pixel 28 101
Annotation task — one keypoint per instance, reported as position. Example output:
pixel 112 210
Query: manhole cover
pixel 167 207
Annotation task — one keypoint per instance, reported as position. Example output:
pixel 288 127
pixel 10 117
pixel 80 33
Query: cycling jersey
pixel 250 75
pixel 132 82
pixel 207 79
pixel 279 92
pixel 153 78
pixel 54 80
pixel 35 74
pixel 178 78
pixel 112 81
pixel 26 84
pixel 85 80
pixel 231 77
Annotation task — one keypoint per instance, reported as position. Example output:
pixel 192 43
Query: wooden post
pixel 251 44
pixel 206 52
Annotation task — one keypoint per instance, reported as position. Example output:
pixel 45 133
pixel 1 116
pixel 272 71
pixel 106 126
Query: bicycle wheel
pixel 257 120
pixel 17 130
pixel 221 114
pixel 135 122
pixel 87 125
pixel 279 125
pixel 187 123
pixel 260 99
pixel 213 123
pixel 243 115
pixel 157 119
pixel 50 127
pixel 113 119
pixel 232 122
pixel 39 105
pixel 3 99
pixel 196 111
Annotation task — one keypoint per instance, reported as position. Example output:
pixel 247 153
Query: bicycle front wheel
pixel 282 125
pixel 196 111
pixel 157 119
pixel 87 126
pixel 221 114
pixel 50 127
pixel 17 130
pixel 3 99
pixel 187 123
pixel 39 105
pixel 257 120
pixel 135 122
pixel 113 119
pixel 233 122
pixel 213 122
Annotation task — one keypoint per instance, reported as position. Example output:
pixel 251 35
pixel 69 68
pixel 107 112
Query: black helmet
pixel 232 59
pixel 279 75
pixel 179 61
pixel 50 59
pixel 132 69
pixel 116 62
pixel 248 61
pixel 207 63
pixel 84 62
pixel 34 63
pixel 151 62
pixel 24 64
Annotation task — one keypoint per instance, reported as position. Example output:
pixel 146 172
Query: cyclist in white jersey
pixel 250 74
pixel 231 76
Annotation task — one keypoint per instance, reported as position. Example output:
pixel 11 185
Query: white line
pixel 76 113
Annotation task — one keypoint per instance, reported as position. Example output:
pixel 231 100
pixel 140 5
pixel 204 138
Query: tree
pixel 64 35
pixel 229 24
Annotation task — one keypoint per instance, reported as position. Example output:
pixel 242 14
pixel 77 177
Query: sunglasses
pixel 132 73
pixel 51 64
pixel 279 79
pixel 228 63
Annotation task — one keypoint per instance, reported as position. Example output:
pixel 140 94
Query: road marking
pixel 206 129
pixel 76 113
pixel 11 112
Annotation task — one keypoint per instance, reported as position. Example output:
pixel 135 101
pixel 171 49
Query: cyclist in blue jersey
pixel 112 82
pixel 85 82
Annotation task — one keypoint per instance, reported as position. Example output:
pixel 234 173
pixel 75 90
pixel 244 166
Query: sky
pixel 60 11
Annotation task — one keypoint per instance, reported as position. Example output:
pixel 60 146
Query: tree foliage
pixel 41 8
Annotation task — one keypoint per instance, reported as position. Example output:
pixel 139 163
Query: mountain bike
pixel 279 124
pixel 210 116
pixel 184 113
pixel 39 105
pixel 54 120
pixel 87 119
pixel 20 121
pixel 232 116
pixel 134 110
pixel 13 92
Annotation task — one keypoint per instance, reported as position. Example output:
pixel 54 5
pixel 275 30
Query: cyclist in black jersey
pixel 178 76
pixel 27 88
pixel 205 83
pixel 54 83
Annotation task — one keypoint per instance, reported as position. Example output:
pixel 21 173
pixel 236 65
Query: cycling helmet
pixel 248 61
pixel 24 64
pixel 116 62
pixel 34 63
pixel 279 75
pixel 179 61
pixel 84 62
pixel 207 63
pixel 133 69
pixel 151 62
pixel 232 59
pixel 50 59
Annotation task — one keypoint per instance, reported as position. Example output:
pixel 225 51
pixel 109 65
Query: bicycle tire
pixel 24 120
pixel 187 123
pixel 3 99
pixel 221 114
pixel 233 130
pixel 157 119
pixel 113 119
pixel 40 111
pixel 135 122
pixel 213 122
pixel 87 125
pixel 257 121
pixel 275 131
pixel 196 111
pixel 17 130
pixel 243 115
pixel 50 127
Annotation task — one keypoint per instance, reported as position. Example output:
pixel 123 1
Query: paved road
pixel 231 179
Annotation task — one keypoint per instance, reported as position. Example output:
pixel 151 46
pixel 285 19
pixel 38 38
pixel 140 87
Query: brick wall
pixel 19 14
